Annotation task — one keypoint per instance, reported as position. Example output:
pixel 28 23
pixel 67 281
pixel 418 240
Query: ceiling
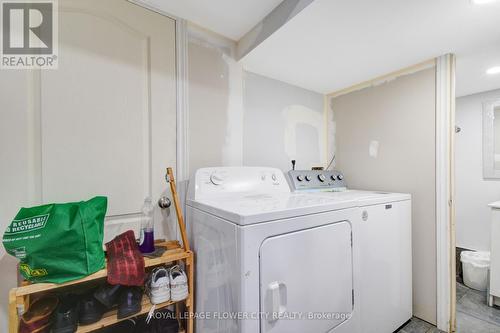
pixel 230 18
pixel 334 44
pixel 471 74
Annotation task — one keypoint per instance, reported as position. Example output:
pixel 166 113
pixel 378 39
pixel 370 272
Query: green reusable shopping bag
pixel 58 242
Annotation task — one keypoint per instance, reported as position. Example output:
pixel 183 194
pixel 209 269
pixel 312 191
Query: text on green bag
pixel 29 224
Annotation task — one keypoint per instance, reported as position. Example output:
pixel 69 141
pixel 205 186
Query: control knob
pixel 300 178
pixel 308 178
pixel 340 176
pixel 321 177
pixel 216 179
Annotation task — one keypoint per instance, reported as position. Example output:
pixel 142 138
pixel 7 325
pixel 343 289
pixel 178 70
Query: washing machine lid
pixel 248 195
pixel 364 198
pixel 251 208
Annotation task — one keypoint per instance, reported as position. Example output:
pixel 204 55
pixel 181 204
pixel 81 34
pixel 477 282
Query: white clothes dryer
pixel 384 234
pixel 268 260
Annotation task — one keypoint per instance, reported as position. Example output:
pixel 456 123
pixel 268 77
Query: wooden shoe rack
pixel 19 298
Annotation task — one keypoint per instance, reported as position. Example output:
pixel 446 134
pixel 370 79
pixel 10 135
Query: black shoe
pixel 129 302
pixel 66 315
pixel 166 322
pixel 90 310
pixel 126 326
pixel 163 321
pixel 108 294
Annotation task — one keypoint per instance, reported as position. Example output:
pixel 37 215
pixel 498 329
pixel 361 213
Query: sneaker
pixel 159 286
pixel 178 284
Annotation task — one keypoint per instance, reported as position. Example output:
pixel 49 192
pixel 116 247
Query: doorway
pixel 477 187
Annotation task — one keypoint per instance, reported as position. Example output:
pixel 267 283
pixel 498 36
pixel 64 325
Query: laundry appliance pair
pixel 297 253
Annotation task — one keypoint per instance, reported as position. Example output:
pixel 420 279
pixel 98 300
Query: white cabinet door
pixel 495 253
pixel 103 123
pixel 307 273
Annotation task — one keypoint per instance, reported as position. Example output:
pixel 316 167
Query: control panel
pixel 328 180
pixel 233 180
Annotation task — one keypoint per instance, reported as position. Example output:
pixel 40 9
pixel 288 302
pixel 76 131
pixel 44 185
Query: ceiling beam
pixel 280 15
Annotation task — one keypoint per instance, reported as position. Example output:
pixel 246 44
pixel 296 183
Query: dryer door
pixel 306 280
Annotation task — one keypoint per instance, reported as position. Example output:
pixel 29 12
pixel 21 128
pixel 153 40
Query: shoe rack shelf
pixel 19 297
pixel 110 317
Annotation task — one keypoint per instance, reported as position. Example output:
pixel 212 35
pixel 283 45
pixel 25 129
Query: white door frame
pixel 181 64
pixel 181 68
pixel 181 50
pixel 445 222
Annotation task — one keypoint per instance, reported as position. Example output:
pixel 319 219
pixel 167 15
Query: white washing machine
pixel 385 250
pixel 268 260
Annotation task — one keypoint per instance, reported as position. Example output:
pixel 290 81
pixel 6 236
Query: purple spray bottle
pixel 147 239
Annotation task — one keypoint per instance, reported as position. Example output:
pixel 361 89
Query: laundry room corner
pixel 272 166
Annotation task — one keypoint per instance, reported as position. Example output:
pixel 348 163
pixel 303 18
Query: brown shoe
pixel 37 318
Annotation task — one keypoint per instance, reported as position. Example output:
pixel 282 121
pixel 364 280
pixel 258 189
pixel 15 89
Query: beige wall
pixel 399 117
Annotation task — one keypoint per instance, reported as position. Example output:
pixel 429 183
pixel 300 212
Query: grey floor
pixel 418 326
pixel 473 313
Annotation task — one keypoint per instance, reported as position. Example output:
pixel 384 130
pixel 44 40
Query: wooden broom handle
pixel 180 218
